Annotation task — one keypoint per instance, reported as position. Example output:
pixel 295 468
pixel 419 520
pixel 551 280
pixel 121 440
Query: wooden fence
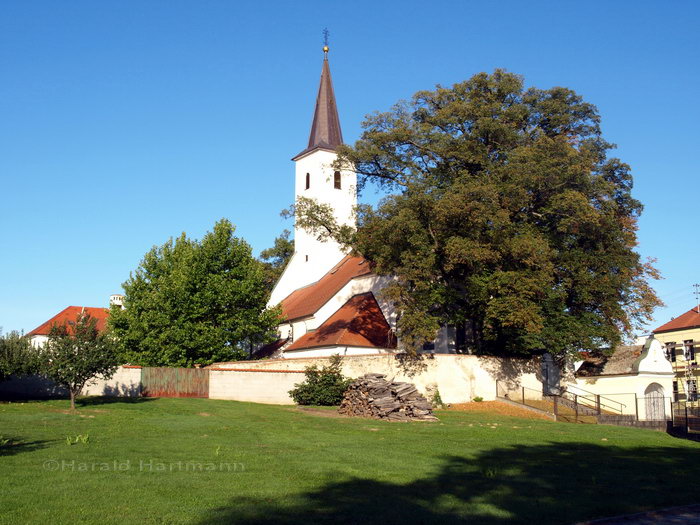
pixel 174 382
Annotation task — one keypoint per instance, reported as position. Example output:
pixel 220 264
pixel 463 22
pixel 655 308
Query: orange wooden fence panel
pixel 174 382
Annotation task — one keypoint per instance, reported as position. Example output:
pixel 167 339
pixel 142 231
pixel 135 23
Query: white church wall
pixel 312 258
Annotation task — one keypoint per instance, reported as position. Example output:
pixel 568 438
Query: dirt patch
pixel 204 414
pixel 318 412
pixel 496 407
pixel 77 412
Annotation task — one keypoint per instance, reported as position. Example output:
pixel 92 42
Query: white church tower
pixel 317 179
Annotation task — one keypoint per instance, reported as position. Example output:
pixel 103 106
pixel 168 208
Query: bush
pixel 478 399
pixel 322 386
pixel 437 400
pixel 17 357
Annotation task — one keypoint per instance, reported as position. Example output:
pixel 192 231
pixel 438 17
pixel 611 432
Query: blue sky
pixel 125 123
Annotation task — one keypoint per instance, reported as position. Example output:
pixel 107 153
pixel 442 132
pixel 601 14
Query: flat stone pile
pixel 373 396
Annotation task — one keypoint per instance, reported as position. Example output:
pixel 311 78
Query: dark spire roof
pixel 325 128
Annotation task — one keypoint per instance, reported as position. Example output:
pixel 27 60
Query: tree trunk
pixel 72 400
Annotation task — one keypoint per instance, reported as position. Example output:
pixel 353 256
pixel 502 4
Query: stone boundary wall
pixel 269 386
pixel 126 382
pixel 459 378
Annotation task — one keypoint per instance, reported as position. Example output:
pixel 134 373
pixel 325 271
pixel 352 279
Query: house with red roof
pixel 69 316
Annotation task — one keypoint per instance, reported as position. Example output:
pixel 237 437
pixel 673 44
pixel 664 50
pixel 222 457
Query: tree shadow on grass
pixel 108 400
pixel 551 483
pixel 12 446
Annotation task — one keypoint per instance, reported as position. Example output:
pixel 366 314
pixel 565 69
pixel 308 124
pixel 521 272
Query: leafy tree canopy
pixel 73 355
pixel 504 214
pixel 275 258
pixel 17 357
pixel 194 302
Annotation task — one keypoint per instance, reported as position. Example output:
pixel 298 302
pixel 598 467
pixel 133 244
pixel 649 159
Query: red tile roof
pixel 70 315
pixel 306 301
pixel 359 322
pixel 690 319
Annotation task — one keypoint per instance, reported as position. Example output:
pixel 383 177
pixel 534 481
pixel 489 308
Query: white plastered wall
pixel 459 378
pixel 630 389
pixel 126 382
pixel 258 387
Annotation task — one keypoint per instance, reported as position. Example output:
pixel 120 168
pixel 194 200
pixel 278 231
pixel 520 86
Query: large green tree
pixel 76 354
pixel 194 302
pixel 504 216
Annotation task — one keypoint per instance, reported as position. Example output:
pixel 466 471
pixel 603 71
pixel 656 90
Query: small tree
pixel 75 354
pixel 322 386
pixel 17 357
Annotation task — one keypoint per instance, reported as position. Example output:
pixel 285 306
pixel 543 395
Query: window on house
pixel 307 258
pixel 308 181
pixel 675 390
pixel 336 180
pixel 671 351
pixel 692 390
pixel 689 350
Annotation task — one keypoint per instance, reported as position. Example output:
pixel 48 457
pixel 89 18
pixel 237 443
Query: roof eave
pixel 679 329
pixel 309 151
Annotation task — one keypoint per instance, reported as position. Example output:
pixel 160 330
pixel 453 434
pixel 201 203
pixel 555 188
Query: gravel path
pixel 496 407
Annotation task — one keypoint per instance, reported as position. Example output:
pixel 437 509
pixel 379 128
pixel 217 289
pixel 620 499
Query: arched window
pixel 308 181
pixel 336 180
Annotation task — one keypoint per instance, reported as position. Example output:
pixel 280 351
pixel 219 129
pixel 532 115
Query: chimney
pixel 116 300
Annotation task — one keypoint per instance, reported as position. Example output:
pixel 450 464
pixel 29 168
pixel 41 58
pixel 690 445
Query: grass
pixel 290 466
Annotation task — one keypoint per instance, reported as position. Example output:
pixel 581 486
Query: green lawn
pixel 274 464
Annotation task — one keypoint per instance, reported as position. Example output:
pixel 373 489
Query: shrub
pixel 437 400
pixel 17 357
pixel 478 399
pixel 322 386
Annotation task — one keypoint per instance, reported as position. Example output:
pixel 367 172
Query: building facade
pixel 680 337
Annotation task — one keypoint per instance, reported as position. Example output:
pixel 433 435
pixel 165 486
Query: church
pixel 330 300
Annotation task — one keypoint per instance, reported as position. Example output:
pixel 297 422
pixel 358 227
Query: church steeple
pixel 318 178
pixel 325 128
